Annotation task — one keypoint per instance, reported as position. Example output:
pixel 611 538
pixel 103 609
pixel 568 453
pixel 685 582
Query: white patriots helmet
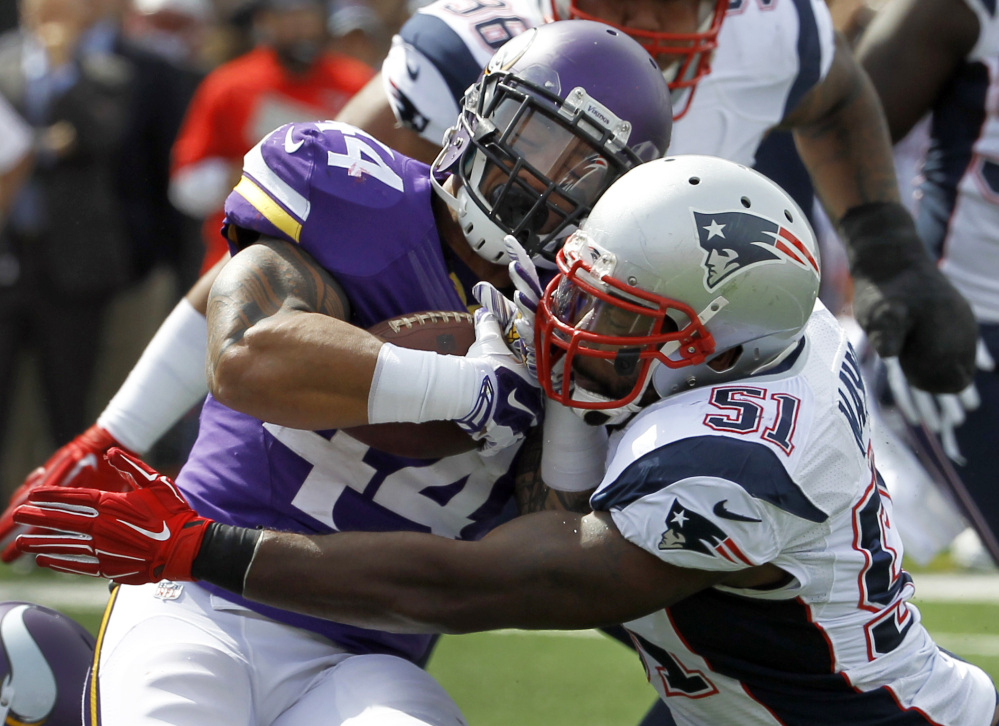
pixel 682 261
pixel 44 660
pixel 685 58
pixel 560 112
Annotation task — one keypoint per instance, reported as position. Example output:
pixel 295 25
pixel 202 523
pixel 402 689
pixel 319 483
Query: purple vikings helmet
pixel 560 112
pixel 44 660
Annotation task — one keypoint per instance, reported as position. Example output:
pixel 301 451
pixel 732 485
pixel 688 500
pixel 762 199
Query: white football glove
pixel 509 401
pixel 942 413
pixel 516 316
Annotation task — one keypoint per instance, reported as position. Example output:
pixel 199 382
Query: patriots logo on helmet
pixel 687 530
pixel 734 241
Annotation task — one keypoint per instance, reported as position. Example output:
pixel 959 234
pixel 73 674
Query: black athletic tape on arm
pixel 225 555
pixel 879 236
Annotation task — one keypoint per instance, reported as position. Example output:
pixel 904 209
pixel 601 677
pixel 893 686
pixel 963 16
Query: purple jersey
pixel 364 213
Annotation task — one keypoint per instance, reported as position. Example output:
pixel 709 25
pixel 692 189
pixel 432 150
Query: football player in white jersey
pixel 941 59
pixel 740 530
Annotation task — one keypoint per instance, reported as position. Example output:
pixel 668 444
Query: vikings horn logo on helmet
pixel 30 686
pixel 44 660
pixel 734 241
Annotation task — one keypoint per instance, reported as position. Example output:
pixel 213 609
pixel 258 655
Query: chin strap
pixel 603 416
pixel 620 414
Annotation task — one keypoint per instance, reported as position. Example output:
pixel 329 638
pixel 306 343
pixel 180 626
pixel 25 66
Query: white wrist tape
pixel 574 452
pixel 417 386
pixel 166 382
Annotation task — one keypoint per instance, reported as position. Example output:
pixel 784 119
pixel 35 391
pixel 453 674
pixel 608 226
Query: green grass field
pixel 542 679
pixel 547 678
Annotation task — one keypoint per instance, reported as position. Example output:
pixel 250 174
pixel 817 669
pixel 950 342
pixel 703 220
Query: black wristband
pixel 225 555
pixel 878 236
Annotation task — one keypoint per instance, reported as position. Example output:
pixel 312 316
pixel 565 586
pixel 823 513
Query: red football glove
pixel 133 537
pixel 80 463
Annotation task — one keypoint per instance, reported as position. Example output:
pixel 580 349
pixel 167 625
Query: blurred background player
pixel 290 75
pixel 66 243
pixel 935 62
pixel 333 232
pixel 177 30
pixel 741 529
pixel 357 28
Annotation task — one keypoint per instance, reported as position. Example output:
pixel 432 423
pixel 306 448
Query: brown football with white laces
pixel 440 331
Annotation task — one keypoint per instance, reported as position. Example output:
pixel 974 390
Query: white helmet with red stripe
pixel 690 271
pixel 684 53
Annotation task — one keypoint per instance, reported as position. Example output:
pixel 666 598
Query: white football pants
pixel 174 654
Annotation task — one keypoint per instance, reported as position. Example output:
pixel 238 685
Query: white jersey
pixel 777 468
pixel 957 207
pixel 770 53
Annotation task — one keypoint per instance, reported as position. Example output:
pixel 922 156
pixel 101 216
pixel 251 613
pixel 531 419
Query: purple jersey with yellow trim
pixel 364 213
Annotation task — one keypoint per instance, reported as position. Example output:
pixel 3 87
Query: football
pixel 442 332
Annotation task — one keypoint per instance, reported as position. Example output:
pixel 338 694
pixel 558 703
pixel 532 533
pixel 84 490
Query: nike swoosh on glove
pixel 509 318
pixel 80 463
pixel 147 534
pixel 509 401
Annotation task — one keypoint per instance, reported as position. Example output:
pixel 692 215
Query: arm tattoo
pixel 267 279
pixel 530 491
pixel 533 495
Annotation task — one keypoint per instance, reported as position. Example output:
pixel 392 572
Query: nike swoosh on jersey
pixel 720 511
pixel 412 70
pixel 290 146
pixel 161 536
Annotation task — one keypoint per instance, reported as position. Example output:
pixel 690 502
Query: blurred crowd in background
pixel 123 124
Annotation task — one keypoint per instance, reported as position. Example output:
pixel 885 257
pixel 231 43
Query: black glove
pixel 904 303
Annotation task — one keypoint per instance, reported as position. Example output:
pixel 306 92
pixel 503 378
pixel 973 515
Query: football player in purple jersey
pixel 332 232
pixel 740 529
